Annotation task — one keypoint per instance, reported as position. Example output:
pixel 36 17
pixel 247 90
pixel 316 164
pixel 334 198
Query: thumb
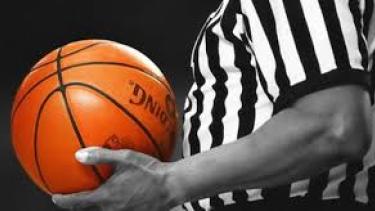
pixel 97 155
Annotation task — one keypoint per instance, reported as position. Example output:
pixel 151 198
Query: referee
pixel 278 117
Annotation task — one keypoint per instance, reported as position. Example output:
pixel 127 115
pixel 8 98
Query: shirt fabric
pixel 254 58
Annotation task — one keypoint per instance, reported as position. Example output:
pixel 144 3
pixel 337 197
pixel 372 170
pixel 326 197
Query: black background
pixel 165 30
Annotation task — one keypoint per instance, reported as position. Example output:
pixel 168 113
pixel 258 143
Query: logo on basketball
pixel 71 100
pixel 163 111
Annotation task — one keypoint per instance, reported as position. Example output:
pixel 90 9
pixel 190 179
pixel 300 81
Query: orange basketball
pixel 90 93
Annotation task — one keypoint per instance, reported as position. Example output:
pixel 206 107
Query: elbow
pixel 348 138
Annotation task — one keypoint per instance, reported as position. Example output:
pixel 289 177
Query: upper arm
pixel 314 57
pixel 303 47
pixel 348 111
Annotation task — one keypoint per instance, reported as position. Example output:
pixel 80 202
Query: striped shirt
pixel 255 57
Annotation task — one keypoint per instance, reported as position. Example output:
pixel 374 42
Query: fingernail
pixel 83 154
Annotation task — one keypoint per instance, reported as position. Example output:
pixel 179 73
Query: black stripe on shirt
pixel 267 19
pixel 195 122
pixel 357 16
pixel 216 202
pixel 193 136
pixel 218 111
pixel 245 38
pixel 346 188
pixel 248 73
pixel 189 106
pixel 196 206
pixel 317 186
pixel 302 38
pixel 184 207
pixel 246 114
pixel 263 83
pixel 335 33
pixel 371 186
pixel 216 127
pixel 186 110
pixel 367 15
pixel 200 81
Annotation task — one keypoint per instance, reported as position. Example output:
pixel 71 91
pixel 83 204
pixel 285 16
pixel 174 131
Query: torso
pixel 229 99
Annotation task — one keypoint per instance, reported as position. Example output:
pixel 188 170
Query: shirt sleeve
pixel 303 46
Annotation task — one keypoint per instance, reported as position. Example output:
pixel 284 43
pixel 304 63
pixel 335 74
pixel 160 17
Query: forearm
pixel 291 146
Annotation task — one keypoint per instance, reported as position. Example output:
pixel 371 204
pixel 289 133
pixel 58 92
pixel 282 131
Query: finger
pixel 76 200
pixel 97 155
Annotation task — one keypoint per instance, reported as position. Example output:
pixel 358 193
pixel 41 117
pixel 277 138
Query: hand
pixel 139 183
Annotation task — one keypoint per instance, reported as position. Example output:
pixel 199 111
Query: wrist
pixel 175 191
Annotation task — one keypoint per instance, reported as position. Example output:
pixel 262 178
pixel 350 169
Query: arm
pixel 319 131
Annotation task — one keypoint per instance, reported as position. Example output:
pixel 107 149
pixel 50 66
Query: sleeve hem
pixel 333 78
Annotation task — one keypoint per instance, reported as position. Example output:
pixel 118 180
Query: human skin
pixel 319 131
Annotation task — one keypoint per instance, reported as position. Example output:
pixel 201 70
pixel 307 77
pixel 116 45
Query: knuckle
pixel 99 154
pixel 94 155
pixel 126 154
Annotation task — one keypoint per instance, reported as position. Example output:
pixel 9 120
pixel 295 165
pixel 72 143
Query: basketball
pixel 90 93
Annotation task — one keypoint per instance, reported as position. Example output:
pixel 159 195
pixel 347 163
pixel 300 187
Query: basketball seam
pixel 29 91
pixel 51 74
pixel 72 67
pixel 44 102
pixel 122 65
pixel 125 111
pixel 65 56
pixel 36 131
pixel 70 114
